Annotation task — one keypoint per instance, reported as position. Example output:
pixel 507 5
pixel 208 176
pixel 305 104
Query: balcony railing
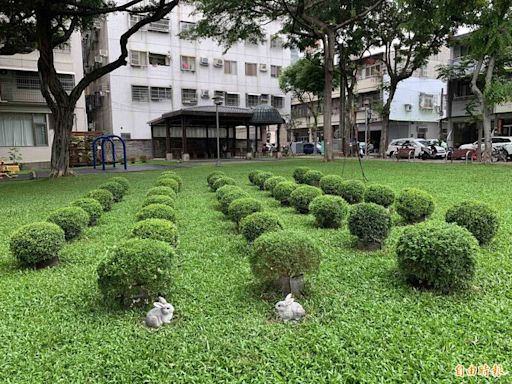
pixel 10 93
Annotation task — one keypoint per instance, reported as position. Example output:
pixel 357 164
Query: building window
pixel 232 99
pixel 186 26
pixel 126 135
pixel 277 42
pixel 23 130
pixel 230 67
pixel 188 63
pixel 275 71
pixel 252 100
pixel 277 102
pixel 188 96
pixel 158 59
pixel 140 93
pixel 134 19
pixel 251 69
pixel 159 26
pixel 30 80
pixel 161 93
pixel 138 58
pixel 426 101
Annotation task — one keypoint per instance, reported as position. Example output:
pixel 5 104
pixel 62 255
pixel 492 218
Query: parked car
pixel 461 154
pixel 419 145
pixel 497 141
pixel 507 148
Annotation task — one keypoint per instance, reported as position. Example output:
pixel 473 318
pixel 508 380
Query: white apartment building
pixel 25 119
pixel 167 73
pixel 416 108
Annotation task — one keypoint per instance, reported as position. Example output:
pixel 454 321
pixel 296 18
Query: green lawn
pixel 363 324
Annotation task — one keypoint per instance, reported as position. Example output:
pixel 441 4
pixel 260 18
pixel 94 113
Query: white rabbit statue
pixel 160 314
pixel 289 310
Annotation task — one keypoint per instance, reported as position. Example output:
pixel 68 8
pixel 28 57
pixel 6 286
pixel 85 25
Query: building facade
pixel 166 72
pixel 416 109
pixel 25 119
pixel 463 107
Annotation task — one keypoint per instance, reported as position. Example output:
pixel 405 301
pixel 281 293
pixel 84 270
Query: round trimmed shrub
pixel 168 173
pixel 156 211
pixel 271 182
pixel 414 205
pixel 261 177
pixel 301 197
pixel 282 191
pixel 123 181
pixel 175 177
pixel 138 271
pixel 229 197
pixel 72 220
pixel 156 229
pixel 243 207
pixel 253 174
pixel 478 218
pixel 256 224
pixel 214 176
pixel 283 254
pixel 168 182
pixel 329 211
pixel 104 197
pixel 379 194
pixel 298 174
pixel 331 184
pixel 224 190
pixel 222 181
pixel 37 243
pixel 313 177
pixel 115 188
pixel 158 199
pixel 370 223
pixel 165 191
pixel 352 191
pixel 437 255
pixel 91 206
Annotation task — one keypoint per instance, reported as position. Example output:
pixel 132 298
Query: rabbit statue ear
pixel 289 299
pixel 158 305
pixel 162 300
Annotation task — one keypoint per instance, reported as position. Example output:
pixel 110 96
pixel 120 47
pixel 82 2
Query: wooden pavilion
pixel 191 133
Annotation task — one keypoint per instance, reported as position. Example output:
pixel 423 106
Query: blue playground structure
pixel 110 139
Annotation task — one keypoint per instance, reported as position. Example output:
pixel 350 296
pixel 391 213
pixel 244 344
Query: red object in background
pixel 460 154
pixel 499 127
pixel 405 152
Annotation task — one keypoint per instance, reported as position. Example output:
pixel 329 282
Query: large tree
pixel 409 32
pixel 304 81
pixel 488 62
pixel 43 25
pixel 231 20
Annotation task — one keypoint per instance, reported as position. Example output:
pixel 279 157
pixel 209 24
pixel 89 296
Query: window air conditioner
pixel 203 61
pixel 217 63
pixel 408 107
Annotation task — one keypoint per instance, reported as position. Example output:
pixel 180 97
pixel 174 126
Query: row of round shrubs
pixel 39 244
pixel 139 270
pixel 277 253
pixel 441 267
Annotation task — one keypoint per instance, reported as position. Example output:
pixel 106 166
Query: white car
pixel 497 141
pixel 420 146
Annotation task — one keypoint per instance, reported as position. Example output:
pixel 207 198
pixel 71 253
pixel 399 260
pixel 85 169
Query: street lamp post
pixel 367 118
pixel 218 101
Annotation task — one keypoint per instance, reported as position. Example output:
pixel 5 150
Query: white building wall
pixel 133 116
pixel 66 62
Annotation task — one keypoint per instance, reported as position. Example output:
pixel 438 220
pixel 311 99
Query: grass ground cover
pixel 363 325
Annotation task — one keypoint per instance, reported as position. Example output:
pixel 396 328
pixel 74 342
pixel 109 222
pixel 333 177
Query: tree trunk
pixel 487 154
pixel 329 76
pixel 386 112
pixel 349 116
pixel 479 129
pixel 63 126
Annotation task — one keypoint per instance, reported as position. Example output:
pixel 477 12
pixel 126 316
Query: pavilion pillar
pixel 207 141
pixel 278 141
pixel 234 141
pixel 227 142
pixel 185 156
pixel 256 139
pixel 168 154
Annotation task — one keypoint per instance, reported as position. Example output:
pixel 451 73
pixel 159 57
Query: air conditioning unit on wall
pixel 203 61
pixel 205 94
pixel 263 68
pixel 408 107
pixel 217 63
